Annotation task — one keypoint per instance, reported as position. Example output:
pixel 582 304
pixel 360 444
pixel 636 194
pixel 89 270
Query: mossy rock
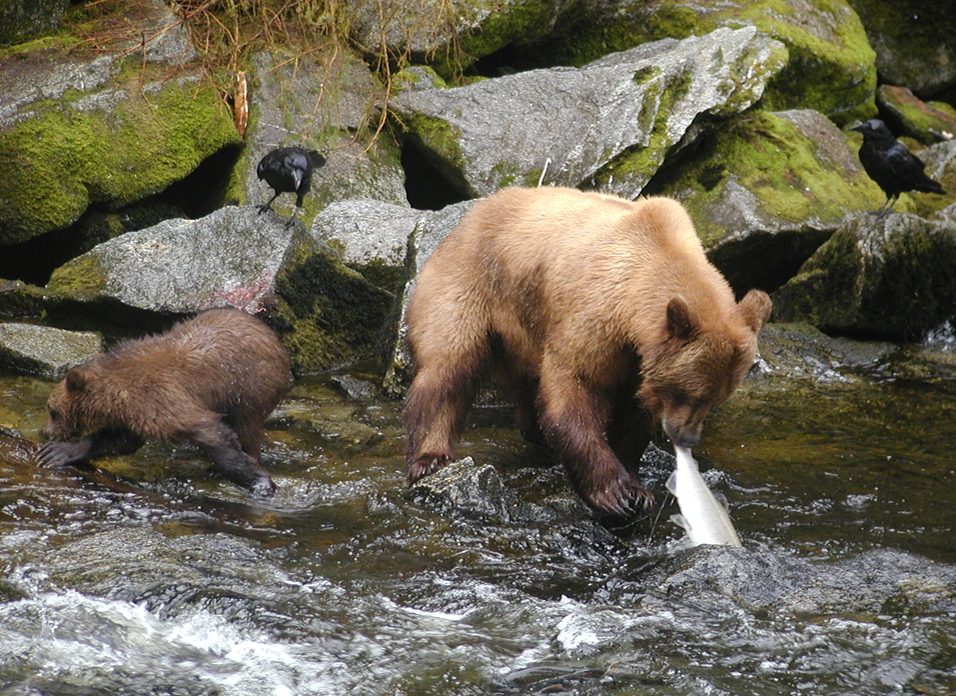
pixel 24 19
pixel 123 143
pixel 327 313
pixel 831 69
pixel 766 189
pixel 915 43
pixel 906 114
pixel 888 278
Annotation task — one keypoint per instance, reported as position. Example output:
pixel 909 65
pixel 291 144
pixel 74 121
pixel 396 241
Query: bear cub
pixel 602 317
pixel 210 381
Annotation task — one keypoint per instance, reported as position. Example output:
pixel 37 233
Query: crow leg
pixel 267 206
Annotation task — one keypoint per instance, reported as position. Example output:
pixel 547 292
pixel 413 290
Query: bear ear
pixel 76 380
pixel 680 321
pixel 755 309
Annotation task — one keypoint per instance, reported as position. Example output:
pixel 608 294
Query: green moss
pixel 328 314
pixel 81 278
pixel 438 140
pixel 793 176
pixel 833 73
pixel 74 153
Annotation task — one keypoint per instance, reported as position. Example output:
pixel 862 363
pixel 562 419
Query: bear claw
pixel 425 465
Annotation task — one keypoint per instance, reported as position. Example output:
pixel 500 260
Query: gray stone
pixel 500 132
pixel 889 278
pixel 45 351
pixel 228 258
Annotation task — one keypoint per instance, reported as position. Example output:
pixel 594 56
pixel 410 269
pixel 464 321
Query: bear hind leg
pixel 222 445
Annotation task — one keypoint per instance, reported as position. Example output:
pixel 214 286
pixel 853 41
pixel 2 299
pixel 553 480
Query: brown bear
pixel 603 317
pixel 210 381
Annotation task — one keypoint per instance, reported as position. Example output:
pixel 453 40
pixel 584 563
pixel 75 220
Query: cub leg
pixel 221 444
pixel 573 418
pixel 104 443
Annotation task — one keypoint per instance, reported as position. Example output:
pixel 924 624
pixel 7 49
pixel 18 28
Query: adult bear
pixel 210 381
pixel 602 316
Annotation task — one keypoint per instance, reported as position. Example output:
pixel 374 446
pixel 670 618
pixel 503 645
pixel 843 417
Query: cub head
pixel 64 421
pixel 692 369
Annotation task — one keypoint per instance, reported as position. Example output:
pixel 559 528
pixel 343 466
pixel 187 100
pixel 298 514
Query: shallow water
pixel 161 579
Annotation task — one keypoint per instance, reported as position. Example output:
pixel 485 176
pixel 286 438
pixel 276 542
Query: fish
pixel 702 516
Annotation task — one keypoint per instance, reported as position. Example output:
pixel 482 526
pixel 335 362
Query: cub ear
pixel 680 320
pixel 755 309
pixel 76 380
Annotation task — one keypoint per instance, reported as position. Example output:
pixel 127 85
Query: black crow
pixel 289 170
pixel 891 165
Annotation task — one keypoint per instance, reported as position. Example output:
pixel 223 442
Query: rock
pixel 641 102
pixel 801 351
pixel 451 37
pixel 907 115
pixel 766 189
pixel 44 351
pixel 721 579
pixel 24 19
pixel 328 313
pixel 889 278
pixel 370 236
pixel 292 104
pixel 111 128
pixel 466 490
pixel 830 67
pixel 915 43
pixel 228 258
pixel 428 233
pixel 940 160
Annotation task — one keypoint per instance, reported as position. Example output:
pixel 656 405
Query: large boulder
pixel 180 266
pixel 915 43
pixel 831 66
pixel 110 127
pixel 890 278
pixel 451 37
pixel 766 189
pixel 638 103
pixel 23 19
pixel 45 351
pixel 323 103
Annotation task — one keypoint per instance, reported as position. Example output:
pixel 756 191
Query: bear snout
pixel 683 434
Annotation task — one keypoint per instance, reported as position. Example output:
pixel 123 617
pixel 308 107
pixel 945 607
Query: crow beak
pixel 859 128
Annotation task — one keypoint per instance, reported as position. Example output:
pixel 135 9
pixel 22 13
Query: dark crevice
pixel 425 186
pixel 198 194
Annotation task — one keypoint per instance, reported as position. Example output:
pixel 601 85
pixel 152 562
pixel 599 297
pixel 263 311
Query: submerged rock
pixel 890 278
pixel 45 351
pixel 477 492
pixel 641 102
pixel 720 579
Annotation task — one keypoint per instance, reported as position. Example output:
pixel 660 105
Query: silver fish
pixel 705 519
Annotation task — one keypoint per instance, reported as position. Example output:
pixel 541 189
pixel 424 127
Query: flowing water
pixel 161 579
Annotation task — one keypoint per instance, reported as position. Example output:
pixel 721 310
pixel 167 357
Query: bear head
pixel 66 419
pixel 699 364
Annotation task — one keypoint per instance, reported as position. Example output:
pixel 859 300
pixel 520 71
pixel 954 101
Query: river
pixel 161 579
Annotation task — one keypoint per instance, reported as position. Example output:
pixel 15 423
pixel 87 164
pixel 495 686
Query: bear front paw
pixel 623 498
pixel 425 465
pixel 56 455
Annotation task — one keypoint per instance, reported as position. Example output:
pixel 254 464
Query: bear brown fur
pixel 210 381
pixel 603 317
